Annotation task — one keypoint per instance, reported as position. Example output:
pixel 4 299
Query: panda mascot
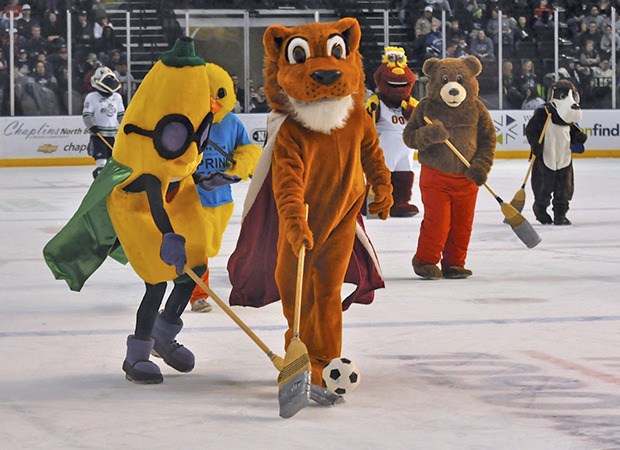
pixel 553 135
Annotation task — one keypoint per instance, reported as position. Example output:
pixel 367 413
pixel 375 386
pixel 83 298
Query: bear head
pixel 452 80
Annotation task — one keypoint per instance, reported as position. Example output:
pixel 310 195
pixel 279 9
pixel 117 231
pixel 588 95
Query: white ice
pixel 525 354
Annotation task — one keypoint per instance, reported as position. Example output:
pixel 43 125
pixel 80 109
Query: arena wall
pixel 62 140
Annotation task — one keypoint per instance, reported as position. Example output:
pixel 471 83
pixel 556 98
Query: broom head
pixel 522 228
pixel 518 201
pixel 294 379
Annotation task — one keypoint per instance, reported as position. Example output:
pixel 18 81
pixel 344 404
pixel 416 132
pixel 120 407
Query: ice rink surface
pixel 525 354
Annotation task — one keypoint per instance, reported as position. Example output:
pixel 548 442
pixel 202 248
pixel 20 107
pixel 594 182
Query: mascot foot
pixel 425 270
pixel 542 215
pixel 137 366
pixel 201 305
pixel 561 220
pixel 167 348
pixel 456 272
pixel 404 210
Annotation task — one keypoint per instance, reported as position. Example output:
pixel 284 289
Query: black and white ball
pixel 341 376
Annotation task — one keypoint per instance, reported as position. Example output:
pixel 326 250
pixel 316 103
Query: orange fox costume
pixel 324 147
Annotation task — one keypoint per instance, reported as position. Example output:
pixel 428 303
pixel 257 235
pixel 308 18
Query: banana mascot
pixel 143 207
pixel 229 157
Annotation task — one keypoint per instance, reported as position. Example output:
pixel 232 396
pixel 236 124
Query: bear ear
pixel 350 30
pixel 474 65
pixel 429 67
pixel 273 39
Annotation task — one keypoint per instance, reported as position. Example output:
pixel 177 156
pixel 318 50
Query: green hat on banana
pixel 182 54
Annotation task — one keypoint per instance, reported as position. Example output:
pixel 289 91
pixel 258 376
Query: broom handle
pixel 540 139
pixel 229 311
pixel 104 141
pixel 464 161
pixel 299 285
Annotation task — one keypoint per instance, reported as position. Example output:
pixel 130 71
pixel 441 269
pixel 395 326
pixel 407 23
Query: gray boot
pixel 137 366
pixel 166 346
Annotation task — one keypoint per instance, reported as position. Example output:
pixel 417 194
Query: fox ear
pixel 350 30
pixel 273 39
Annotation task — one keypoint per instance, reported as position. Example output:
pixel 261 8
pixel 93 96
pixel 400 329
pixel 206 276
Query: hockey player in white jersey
pixel 103 112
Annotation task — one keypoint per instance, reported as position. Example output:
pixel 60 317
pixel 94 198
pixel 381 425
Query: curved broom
pixel 519 224
pixel 518 201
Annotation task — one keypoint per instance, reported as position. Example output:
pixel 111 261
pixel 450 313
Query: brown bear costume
pixel 449 189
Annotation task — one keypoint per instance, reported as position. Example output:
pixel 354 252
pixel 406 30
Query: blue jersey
pixel 228 135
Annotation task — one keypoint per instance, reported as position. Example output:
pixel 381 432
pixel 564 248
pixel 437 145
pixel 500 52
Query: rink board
pixel 63 140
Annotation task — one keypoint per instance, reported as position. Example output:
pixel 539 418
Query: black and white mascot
pixel 551 132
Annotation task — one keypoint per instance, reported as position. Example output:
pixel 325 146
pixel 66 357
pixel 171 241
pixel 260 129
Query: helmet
pixel 105 81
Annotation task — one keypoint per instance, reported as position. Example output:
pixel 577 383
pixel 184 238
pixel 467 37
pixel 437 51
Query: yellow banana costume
pixel 230 151
pixel 145 197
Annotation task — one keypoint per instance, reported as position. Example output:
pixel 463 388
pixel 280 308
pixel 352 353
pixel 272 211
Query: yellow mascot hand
pixel 246 158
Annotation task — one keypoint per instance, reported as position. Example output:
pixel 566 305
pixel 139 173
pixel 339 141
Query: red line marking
pixel 573 366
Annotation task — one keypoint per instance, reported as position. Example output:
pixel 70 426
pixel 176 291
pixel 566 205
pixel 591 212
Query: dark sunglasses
pixel 174 133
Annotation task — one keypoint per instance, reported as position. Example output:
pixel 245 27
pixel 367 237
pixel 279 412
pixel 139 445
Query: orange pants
pixel 449 203
pixel 198 293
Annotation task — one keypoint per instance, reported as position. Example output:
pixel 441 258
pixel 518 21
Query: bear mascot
pixel 449 189
pixel 551 133
pixel 391 106
pixel 321 147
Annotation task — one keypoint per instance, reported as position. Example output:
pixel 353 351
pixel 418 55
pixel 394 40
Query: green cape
pixel 82 245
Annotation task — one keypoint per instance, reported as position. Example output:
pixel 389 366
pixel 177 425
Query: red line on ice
pixel 574 366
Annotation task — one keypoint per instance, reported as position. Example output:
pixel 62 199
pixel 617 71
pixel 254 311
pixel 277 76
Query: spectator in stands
pixel 440 5
pixel 591 33
pixel 42 57
pixel 507 32
pixel 423 24
pixel 106 44
pixel 543 10
pixel 44 78
pixel 453 50
pixel 532 99
pixel 125 78
pixel 59 60
pixel 601 83
pixel 595 17
pixel 99 25
pixel 434 41
pixel 513 97
pixel 239 93
pixel 12 5
pixel 523 32
pixel 258 103
pixel 589 57
pixel 115 57
pixel 51 28
pixel 454 32
pixel 83 35
pixel 37 43
pixel 22 65
pixel 576 15
pixel 482 47
pixel 606 42
pixel 24 25
pixel 88 71
pixel 528 78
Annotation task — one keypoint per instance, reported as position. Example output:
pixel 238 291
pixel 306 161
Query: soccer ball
pixel 341 376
